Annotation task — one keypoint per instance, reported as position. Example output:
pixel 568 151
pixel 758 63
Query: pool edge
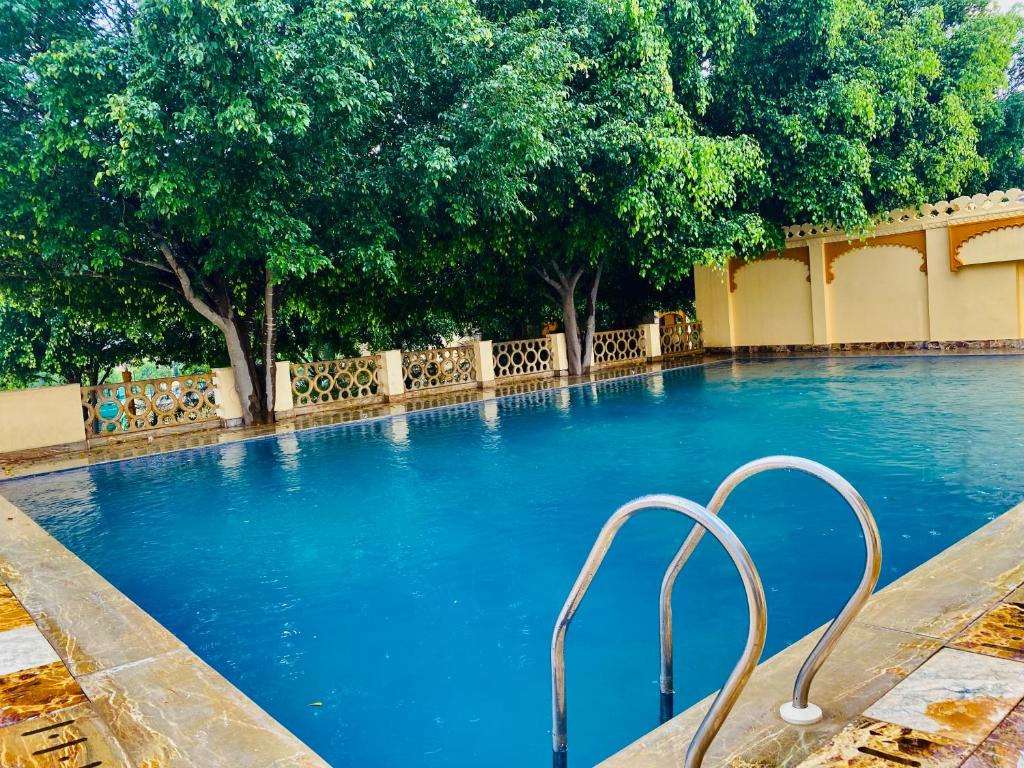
pixel 902 626
pixel 59 459
pixel 159 702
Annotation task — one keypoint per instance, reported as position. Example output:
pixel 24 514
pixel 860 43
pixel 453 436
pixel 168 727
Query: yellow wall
pixel 1020 300
pixel 712 300
pixel 878 294
pixel 772 304
pixel 975 302
pixel 37 418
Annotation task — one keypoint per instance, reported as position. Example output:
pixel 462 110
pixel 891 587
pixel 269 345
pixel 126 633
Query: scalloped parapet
pixel 1011 200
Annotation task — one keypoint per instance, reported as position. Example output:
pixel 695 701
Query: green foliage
pixel 864 105
pixel 78 331
pixel 349 173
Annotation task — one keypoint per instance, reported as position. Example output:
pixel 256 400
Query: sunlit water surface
pixel 406 572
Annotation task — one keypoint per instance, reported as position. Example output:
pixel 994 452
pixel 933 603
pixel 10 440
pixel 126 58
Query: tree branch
pixel 547 279
pixel 150 264
pixel 597 280
pixel 180 272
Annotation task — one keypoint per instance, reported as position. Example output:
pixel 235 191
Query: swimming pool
pixel 404 574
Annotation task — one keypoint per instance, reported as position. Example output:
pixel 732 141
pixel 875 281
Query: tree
pixel 628 181
pixel 864 105
pixel 202 144
pixel 264 157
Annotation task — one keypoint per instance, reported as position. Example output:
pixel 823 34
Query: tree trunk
pixel 572 334
pixel 270 295
pixel 591 321
pixel 215 306
pixel 579 348
pixel 564 287
pixel 244 369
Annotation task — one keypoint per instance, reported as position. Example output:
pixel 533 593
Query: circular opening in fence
pixel 190 400
pixel 163 403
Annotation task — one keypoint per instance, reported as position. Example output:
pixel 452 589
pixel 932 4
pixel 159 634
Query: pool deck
pixel 930 675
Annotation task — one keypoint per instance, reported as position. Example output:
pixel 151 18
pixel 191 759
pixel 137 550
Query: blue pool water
pixel 406 572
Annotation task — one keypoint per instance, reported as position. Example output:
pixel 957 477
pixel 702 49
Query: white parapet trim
pixel 41 417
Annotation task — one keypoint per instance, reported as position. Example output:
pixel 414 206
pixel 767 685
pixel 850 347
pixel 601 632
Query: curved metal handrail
pixel 727 696
pixel 825 645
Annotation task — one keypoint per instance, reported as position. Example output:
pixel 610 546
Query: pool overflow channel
pixel 797 711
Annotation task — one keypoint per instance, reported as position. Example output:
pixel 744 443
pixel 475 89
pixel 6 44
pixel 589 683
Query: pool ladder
pixel 797 711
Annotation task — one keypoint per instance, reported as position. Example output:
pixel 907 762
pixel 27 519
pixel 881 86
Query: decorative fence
pixel 210 399
pixel 146 404
pixel 433 368
pixel 527 357
pixel 612 347
pixel 329 382
pixel 682 337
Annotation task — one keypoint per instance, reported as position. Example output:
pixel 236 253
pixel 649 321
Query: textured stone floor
pixel 46 721
pixel 962 707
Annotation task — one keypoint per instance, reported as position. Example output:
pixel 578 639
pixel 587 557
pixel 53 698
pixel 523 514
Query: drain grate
pixel 891 758
pixel 52 733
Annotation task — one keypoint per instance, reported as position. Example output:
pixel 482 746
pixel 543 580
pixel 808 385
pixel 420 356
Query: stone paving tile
pixel 74 737
pixel 37 691
pixel 955 694
pixel 867 743
pixel 1017 596
pixel 1004 748
pixel 12 613
pixel 175 711
pixel 944 595
pixel 1000 632
pixel 867 662
pixel 23 648
pixel 91 625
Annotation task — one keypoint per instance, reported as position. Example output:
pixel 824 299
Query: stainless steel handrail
pixel 727 696
pixel 799 711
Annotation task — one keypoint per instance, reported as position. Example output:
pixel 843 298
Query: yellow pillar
pixel 559 359
pixel 229 407
pixel 483 356
pixel 283 401
pixel 651 338
pixel 819 294
pixel 390 381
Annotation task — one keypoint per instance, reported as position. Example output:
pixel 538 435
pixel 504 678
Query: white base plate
pixel 794 716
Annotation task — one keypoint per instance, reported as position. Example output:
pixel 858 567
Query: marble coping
pixel 901 628
pixel 93 668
